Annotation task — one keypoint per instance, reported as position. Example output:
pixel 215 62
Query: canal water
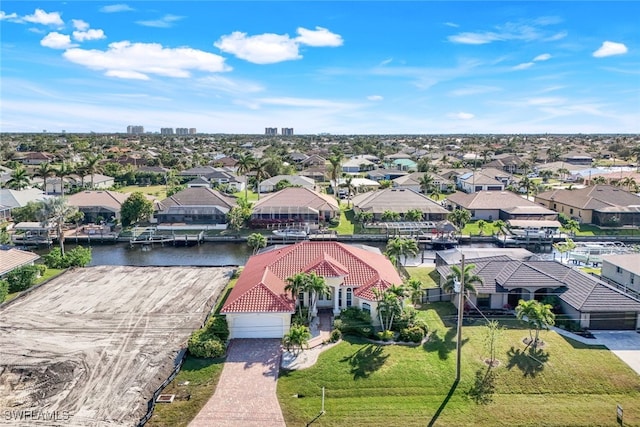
pixel 213 254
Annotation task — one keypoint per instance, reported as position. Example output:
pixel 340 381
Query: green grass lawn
pixel 427 275
pixel 159 191
pixel 472 229
pixel 251 196
pixel 347 225
pixel 371 385
pixel 203 376
pixel 49 273
pixel 592 230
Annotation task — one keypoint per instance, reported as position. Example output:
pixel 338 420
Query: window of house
pixel 349 297
pixel 571 211
pixel 339 297
pixel 618 270
pixel 366 307
pixel 301 299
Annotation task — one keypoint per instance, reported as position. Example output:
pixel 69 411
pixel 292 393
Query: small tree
pixel 460 217
pixel 413 215
pixel 297 339
pixel 415 289
pixel 493 333
pixel 4 290
pixel 482 224
pixel 389 306
pixel 538 316
pixel 236 218
pixel 135 209
pixel 256 241
pixel 456 276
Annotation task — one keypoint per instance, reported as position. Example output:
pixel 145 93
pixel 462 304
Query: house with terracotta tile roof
pixel 587 300
pixel 259 307
pixel 602 205
pixel 295 205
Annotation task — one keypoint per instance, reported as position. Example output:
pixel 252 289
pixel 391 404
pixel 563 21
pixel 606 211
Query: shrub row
pixel 210 340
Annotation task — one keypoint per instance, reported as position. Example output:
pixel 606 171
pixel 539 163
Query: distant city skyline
pixel 352 67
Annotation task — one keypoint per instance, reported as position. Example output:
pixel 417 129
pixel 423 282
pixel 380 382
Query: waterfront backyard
pixel 562 383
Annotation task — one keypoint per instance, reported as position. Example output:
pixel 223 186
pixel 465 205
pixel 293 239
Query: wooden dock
pixel 149 239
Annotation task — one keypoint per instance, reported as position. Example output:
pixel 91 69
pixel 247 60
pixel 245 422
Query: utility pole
pixel 460 312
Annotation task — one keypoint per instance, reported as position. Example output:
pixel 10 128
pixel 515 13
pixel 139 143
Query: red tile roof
pixel 260 287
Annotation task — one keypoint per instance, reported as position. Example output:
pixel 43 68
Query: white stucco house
pixel 259 307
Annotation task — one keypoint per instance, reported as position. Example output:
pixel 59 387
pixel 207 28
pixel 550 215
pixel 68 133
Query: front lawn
pixel 564 383
pixel 159 191
pixel 427 275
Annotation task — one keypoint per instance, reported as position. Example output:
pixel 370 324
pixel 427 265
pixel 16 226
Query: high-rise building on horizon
pixel 166 131
pixel 135 129
pixel 182 131
pixel 192 131
pixel 271 131
pixel 287 131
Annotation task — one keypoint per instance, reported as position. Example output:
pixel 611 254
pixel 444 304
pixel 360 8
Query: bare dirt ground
pixel 90 347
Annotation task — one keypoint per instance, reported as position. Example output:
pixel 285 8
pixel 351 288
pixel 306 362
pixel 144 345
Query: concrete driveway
pixel 624 344
pixel 246 393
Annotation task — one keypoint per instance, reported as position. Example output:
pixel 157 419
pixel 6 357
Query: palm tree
pixel 44 171
pixel 537 315
pixel 55 211
pixel 315 285
pixel 415 289
pixel 19 179
pixel 599 180
pixel 256 241
pixel 92 166
pixel 335 170
pixel 563 172
pixel 571 227
pixel 460 217
pixel 389 306
pixel 63 171
pixel 426 183
pixel 295 285
pixel 244 165
pixel 296 339
pixel 260 172
pixel 628 182
pixel 401 246
pixel 457 275
pixel 481 226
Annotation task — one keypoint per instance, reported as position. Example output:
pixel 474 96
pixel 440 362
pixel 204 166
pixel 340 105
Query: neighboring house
pixel 509 163
pixel 601 205
pixel 200 181
pixel 360 184
pixel 317 173
pixel 357 165
pixel 404 164
pixel 504 205
pixel 578 159
pixel 195 206
pixel 100 182
pixel 385 174
pixel 314 160
pixel 400 201
pixel 483 180
pixel 34 158
pixel 259 307
pixel 295 204
pixel 216 176
pixel 12 258
pixel 11 199
pixel 585 299
pixel 98 205
pixel 412 182
pixel 269 185
pixel 622 271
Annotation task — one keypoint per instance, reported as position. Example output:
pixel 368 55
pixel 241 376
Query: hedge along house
pixel 259 307
pixel 586 300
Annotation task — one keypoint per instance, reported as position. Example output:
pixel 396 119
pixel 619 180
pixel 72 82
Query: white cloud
pixel 461 116
pixel 56 40
pixel 451 24
pixel 113 8
pixel 609 49
pixel 523 66
pixel 542 57
pixel 523 31
pixel 44 18
pixel 8 17
pixel 271 48
pixel 320 37
pixel 261 49
pixel 135 60
pixel 375 98
pixel 474 90
pixel 91 34
pixel 385 62
pixel 80 25
pixel 166 21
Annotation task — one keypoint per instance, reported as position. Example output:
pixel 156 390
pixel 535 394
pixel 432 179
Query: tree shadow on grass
pixel 483 387
pixel 443 345
pixel 365 361
pixel 530 362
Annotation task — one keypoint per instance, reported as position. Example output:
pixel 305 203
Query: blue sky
pixel 355 67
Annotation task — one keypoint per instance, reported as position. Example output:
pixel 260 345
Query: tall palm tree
pixel 335 170
pixel 55 211
pixel 256 241
pixel 389 306
pixel 260 172
pixel 63 171
pixel 92 166
pixel 244 166
pixel 45 171
pixel 316 286
pixel 398 247
pixel 19 179
pixel 457 275
pixel 426 183
pixel 295 285
pixel 415 288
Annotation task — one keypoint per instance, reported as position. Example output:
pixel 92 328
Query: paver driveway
pixel 246 393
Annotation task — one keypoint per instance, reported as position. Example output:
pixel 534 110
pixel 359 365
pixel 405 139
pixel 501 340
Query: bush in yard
pixel 335 336
pixel 385 335
pixel 4 290
pixel 405 320
pixel 203 343
pixel 22 278
pixel 412 334
pixel 217 325
pixel 77 257
pixel 354 321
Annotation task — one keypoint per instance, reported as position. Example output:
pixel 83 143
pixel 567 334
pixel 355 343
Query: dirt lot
pixel 90 347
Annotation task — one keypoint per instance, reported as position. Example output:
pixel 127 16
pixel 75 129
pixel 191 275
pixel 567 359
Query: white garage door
pixel 258 325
